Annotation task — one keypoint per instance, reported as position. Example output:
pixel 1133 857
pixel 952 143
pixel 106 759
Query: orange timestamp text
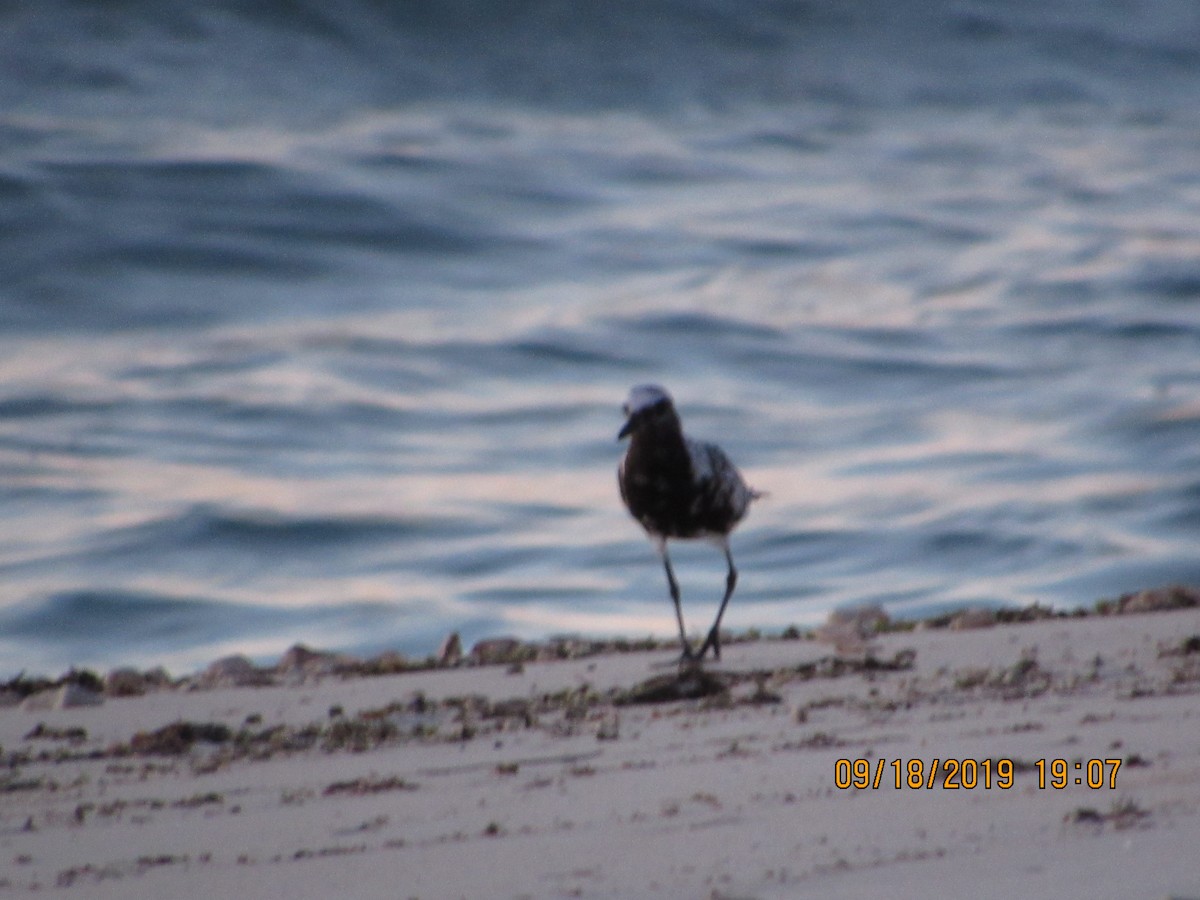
pixel 971 774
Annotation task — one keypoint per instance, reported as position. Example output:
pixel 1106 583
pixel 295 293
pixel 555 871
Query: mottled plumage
pixel 679 488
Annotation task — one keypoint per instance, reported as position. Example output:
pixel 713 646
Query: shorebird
pixel 679 488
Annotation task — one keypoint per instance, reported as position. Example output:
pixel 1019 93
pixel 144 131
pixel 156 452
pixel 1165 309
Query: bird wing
pixel 720 489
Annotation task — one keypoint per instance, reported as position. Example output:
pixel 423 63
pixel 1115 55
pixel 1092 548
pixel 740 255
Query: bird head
pixel 647 404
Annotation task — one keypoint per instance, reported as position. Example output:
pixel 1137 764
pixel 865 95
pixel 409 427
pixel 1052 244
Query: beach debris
pixel 973 617
pixel 301 663
pixel 364 787
pixel 390 662
pixel 1186 647
pixel 70 695
pixel 850 629
pixel 301 659
pixel 567 646
pixel 761 695
pixel 837 666
pixel 450 652
pixel 44 732
pixel 125 682
pixel 981 616
pixel 1175 596
pixel 43 693
pixel 1121 815
pixel 178 738
pixel 492 651
pixel 233 671
pixel 1034 612
pixel 1024 678
pixel 609 728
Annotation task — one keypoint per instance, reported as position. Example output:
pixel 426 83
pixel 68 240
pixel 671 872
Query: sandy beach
pixel 770 774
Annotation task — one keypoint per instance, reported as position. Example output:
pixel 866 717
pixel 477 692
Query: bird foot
pixel 689 658
pixel 694 659
pixel 714 641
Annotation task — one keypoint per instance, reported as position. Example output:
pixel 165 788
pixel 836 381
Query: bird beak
pixel 625 429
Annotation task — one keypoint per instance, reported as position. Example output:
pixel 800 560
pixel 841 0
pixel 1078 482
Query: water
pixel 316 319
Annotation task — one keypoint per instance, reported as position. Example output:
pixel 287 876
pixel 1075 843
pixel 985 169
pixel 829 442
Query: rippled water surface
pixel 315 321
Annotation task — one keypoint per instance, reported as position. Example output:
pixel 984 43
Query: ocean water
pixel 316 318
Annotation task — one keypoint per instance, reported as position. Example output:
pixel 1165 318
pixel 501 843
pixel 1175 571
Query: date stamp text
pixel 971 774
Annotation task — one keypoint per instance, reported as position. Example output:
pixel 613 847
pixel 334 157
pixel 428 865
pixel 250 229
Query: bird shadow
pixel 690 682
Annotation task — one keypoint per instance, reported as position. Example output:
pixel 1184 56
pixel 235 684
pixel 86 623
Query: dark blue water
pixel 316 319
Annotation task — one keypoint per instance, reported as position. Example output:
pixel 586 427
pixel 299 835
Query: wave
pixel 206 528
pixel 78 626
pixel 665 54
pixel 131 617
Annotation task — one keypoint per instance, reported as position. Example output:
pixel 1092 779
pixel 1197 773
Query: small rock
pixel 233 671
pixel 850 629
pixel 975 617
pixel 566 646
pixel 178 738
pixel 157 679
pixel 301 662
pixel 450 652
pixel 1155 599
pixel 495 650
pixel 124 683
pixel 297 658
pixel 65 696
pixel 389 662
pixel 71 696
pixel 610 726
pixel 868 620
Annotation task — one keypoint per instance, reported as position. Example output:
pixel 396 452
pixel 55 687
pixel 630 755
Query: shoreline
pixel 849 630
pixel 615 775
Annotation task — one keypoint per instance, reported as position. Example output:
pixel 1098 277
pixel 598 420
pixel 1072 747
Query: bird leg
pixel 714 635
pixel 674 586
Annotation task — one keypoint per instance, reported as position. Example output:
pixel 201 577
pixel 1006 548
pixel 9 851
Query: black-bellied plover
pixel 679 488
